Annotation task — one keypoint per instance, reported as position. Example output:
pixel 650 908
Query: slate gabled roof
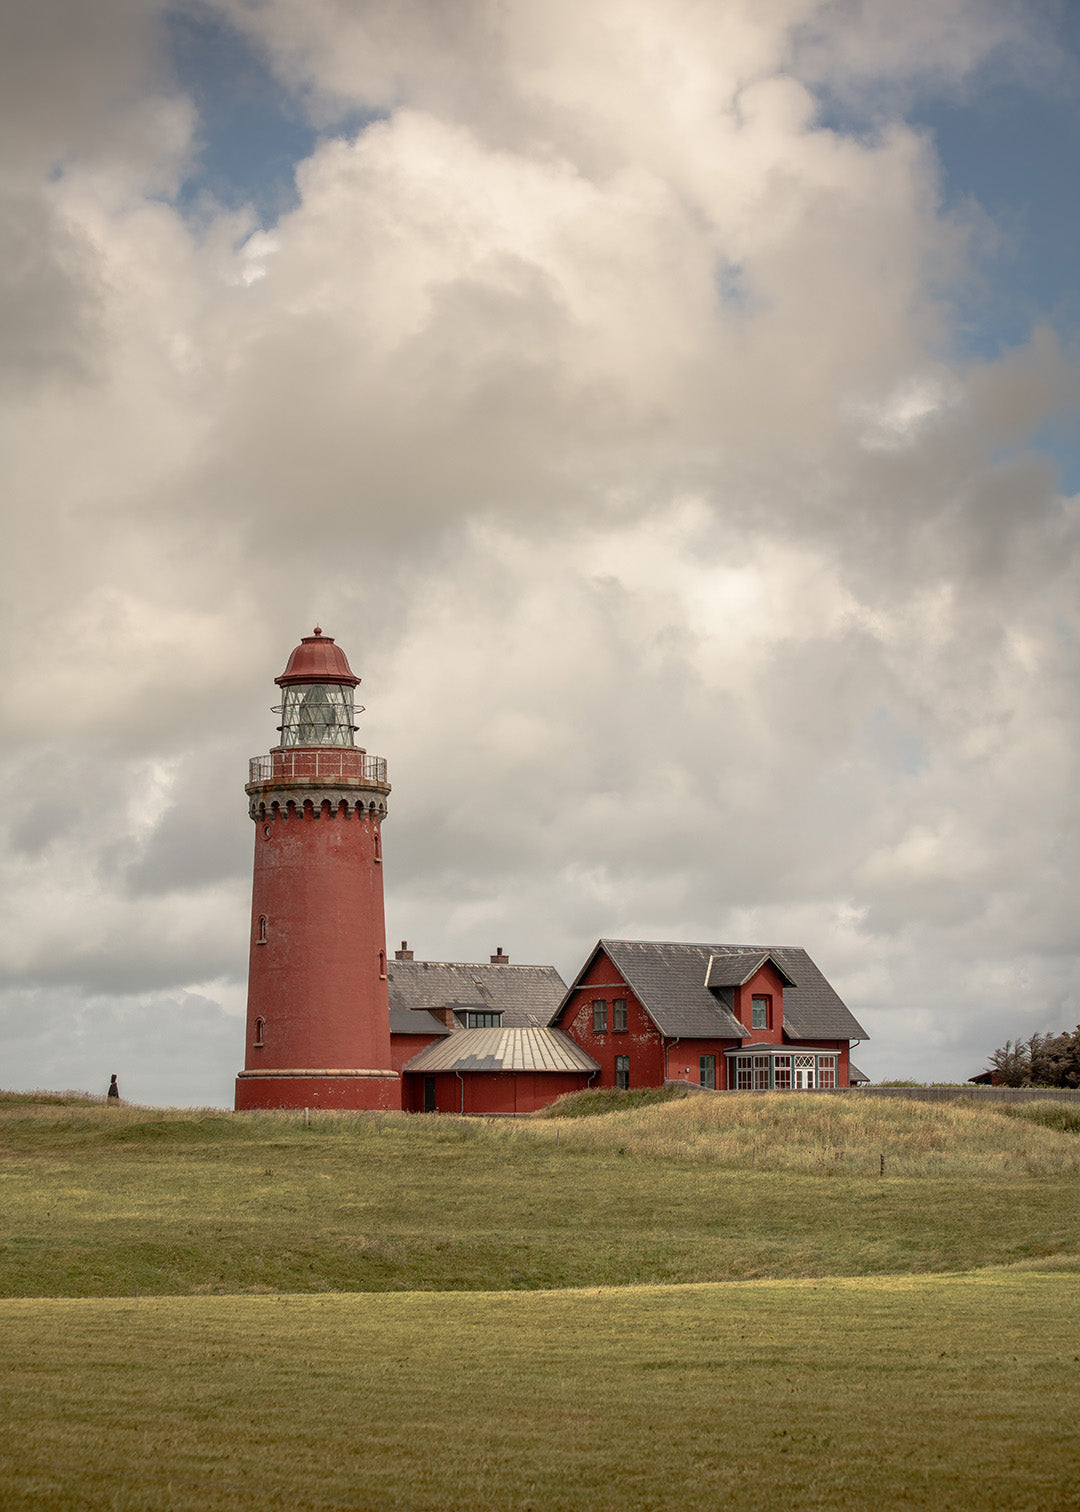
pixel 668 979
pixel 733 967
pixel 503 1050
pixel 526 995
pixel 415 1021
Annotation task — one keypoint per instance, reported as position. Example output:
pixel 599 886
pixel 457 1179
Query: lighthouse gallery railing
pixel 318 762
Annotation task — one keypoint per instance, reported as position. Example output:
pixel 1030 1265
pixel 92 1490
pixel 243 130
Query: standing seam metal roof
pixel 503 1050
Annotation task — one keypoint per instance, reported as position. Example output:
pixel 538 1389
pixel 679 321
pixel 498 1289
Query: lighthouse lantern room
pixel 318 1023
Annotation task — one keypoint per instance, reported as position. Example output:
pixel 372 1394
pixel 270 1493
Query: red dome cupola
pixel 318 660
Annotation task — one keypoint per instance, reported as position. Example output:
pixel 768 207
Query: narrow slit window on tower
pixel 260 938
pixel 382 963
pixel 378 842
pixel 258 1032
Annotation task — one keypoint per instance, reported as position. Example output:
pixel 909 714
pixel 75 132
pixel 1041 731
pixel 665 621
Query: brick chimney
pixel 404 954
pixel 498 959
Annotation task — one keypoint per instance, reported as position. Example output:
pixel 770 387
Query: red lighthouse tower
pixel 318 1020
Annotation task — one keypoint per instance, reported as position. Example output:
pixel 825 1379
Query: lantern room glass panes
pixel 317 714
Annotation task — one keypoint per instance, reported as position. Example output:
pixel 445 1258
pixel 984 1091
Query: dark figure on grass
pixel 114 1090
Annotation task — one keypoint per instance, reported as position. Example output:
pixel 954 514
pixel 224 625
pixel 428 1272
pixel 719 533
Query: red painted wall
pixel 491 1091
pixel 404 1046
pixel 764 983
pixel 683 1059
pixel 376 1092
pixel 642 1041
pixel 318 982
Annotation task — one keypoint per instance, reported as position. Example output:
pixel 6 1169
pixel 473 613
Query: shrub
pixel 611 1100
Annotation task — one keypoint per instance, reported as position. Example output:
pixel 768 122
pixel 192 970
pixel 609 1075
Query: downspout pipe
pixel 461 1079
pixel 667 1051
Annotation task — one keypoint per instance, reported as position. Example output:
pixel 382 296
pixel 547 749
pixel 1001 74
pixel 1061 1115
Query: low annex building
pixel 472 1038
pixel 730 1017
pixel 495 1071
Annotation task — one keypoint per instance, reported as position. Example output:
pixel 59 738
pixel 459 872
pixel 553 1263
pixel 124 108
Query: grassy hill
pixel 439 1313
pixel 100 1200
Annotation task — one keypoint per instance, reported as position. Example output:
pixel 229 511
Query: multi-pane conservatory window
pixel 317 714
pixel 787 1072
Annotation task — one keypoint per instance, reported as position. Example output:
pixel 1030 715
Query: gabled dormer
pixel 750 984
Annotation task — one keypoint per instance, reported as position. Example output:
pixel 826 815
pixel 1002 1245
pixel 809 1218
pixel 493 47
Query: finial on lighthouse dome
pixel 318 685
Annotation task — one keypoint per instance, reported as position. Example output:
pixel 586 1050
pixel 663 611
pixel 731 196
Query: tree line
pixel 1044 1060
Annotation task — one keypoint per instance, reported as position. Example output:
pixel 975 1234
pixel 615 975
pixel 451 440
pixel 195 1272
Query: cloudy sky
pixel 670 406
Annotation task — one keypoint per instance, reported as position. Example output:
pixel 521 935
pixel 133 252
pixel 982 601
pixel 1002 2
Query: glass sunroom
pixel 776 1068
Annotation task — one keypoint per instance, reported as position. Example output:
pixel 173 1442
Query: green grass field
pixel 944 1394
pixel 457 1314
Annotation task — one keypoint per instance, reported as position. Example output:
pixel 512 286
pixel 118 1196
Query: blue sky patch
pixel 252 132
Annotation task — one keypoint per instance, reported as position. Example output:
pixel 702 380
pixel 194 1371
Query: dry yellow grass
pixel 822 1134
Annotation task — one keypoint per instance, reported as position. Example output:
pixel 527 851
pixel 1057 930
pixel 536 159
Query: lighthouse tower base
pixel 379 1091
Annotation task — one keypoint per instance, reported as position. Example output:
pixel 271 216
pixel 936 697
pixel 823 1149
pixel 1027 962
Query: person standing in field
pixel 114 1090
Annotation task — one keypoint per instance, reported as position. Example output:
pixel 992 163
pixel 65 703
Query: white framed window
pixel 782 1073
pixel 805 1072
pixel 826 1070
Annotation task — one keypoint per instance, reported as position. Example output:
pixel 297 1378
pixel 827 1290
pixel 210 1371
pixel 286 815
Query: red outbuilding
pixel 495 1071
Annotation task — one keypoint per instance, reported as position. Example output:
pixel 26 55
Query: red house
pixel 734 1017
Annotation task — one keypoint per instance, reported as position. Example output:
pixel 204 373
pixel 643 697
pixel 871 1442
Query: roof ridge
pixel 699 945
pixel 487 965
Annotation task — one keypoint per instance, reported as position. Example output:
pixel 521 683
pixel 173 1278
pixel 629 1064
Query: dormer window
pixel 761 1013
pixel 482 1018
